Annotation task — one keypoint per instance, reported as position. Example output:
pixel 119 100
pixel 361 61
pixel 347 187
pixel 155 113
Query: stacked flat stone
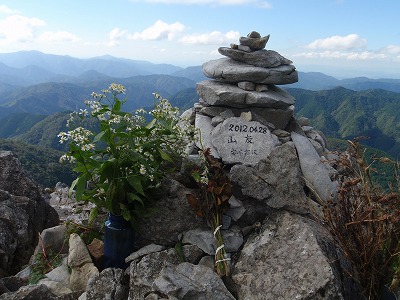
pixel 241 113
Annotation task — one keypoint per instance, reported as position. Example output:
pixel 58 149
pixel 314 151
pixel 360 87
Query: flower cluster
pixel 120 155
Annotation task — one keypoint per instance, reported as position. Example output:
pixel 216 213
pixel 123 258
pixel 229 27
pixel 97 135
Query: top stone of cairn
pixel 254 41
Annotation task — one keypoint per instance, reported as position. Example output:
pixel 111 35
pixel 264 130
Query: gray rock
pixel 233 239
pixel 258 118
pixel 247 85
pixel 80 262
pixel 14 179
pixel 317 146
pixel 307 128
pixel 284 261
pixel 271 117
pixel 174 217
pixel 236 208
pixel 109 284
pixel 11 284
pixel 53 239
pixel 303 121
pixel 227 113
pixel 220 94
pixel 262 87
pixel 24 213
pixel 80 276
pixel 204 239
pixel 239 141
pixel 145 251
pixel 244 48
pixel 229 70
pixel 318 137
pixel 143 272
pixel 203 123
pixel 207 261
pixel 60 274
pixel 281 133
pixel 315 174
pixel 254 41
pixel 201 237
pixel 250 183
pixel 217 120
pixel 57 288
pixel 281 171
pixel 212 111
pixel 188 281
pixel 261 58
pixel 78 252
pixel 276 181
pixel 30 292
pixel 247 116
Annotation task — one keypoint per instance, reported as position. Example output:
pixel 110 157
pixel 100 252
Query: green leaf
pixel 71 189
pixel 125 212
pixel 93 214
pixel 151 124
pixel 99 136
pixel 134 181
pixel 164 155
pixel 133 197
pixel 117 105
pixel 80 187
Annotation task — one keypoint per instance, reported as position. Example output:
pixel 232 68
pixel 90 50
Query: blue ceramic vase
pixel 118 242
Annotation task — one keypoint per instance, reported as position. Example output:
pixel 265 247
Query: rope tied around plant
pixel 210 202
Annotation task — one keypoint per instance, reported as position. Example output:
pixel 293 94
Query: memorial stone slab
pixel 228 70
pixel 241 141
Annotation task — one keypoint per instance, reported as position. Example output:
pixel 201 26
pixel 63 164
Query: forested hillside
pixel 41 163
pixel 346 114
pixel 49 98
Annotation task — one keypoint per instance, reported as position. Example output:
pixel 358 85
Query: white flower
pixel 87 147
pixel 117 88
pixel 83 112
pixel 142 170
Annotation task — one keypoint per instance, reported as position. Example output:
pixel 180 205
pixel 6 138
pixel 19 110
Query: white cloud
pixel 391 49
pixel 115 36
pixel 18 28
pixel 337 42
pixel 58 36
pixel 6 10
pixel 365 55
pixel 212 38
pixel 260 3
pixel 159 31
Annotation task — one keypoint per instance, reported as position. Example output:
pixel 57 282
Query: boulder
pixel 261 58
pixel 284 261
pixel 229 70
pixel 220 94
pixel 109 284
pixel 30 292
pixel 188 281
pixel 24 213
pixel 315 173
pixel 174 216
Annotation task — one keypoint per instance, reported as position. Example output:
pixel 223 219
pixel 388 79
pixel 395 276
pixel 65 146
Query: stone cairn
pixel 242 114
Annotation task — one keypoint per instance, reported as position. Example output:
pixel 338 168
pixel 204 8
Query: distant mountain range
pixel 37 90
pixel 25 68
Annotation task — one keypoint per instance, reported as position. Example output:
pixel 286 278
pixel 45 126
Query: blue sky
pixel 343 38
